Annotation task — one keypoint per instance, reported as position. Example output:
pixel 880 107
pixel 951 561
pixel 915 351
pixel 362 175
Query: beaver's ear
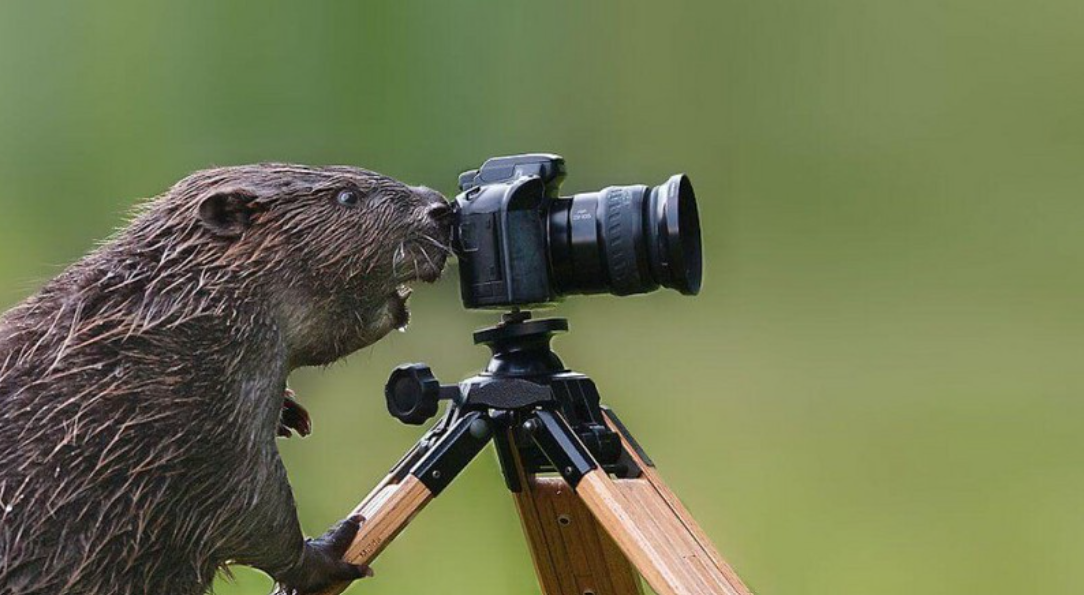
pixel 227 213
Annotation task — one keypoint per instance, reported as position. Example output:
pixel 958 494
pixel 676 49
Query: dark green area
pixel 879 390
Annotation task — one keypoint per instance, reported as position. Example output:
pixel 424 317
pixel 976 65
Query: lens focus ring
pixel 618 220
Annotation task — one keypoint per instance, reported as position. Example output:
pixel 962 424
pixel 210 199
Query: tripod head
pixel 521 346
pixel 520 350
pixel 523 375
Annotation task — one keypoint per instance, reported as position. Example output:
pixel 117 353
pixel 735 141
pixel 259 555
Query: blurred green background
pixel 878 391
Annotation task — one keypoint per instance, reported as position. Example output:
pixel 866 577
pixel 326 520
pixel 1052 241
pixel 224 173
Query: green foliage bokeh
pixel 876 393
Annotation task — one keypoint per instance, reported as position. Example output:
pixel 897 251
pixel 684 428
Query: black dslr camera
pixel 520 244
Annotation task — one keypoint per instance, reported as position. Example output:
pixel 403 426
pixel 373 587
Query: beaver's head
pixel 333 249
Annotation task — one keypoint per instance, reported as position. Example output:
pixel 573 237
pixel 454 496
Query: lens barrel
pixel 627 239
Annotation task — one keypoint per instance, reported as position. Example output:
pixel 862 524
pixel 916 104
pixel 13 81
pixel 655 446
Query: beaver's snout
pixel 437 206
pixel 429 245
pixel 441 213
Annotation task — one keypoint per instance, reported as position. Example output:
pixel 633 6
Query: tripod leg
pixel 572 554
pixel 418 478
pixel 673 504
pixel 642 516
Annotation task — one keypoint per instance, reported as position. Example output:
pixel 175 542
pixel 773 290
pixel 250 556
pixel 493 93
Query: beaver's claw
pixel 321 565
pixel 293 417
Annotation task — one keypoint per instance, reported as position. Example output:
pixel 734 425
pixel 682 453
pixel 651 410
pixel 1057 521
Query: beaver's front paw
pixel 321 564
pixel 293 417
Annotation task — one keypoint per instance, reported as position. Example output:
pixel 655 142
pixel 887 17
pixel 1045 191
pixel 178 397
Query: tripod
pixel 593 508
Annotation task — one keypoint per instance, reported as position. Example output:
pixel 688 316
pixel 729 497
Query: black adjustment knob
pixel 412 393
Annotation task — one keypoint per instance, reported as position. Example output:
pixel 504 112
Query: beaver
pixel 142 389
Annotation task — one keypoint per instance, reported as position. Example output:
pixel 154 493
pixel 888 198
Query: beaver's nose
pixel 438 207
pixel 441 212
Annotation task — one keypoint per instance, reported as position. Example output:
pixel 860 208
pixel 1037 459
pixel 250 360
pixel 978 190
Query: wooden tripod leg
pixel 657 533
pixel 676 509
pixel 413 482
pixel 387 511
pixel 572 553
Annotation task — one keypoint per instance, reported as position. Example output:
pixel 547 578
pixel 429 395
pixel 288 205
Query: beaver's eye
pixel 348 198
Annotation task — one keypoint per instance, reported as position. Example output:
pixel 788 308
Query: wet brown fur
pixel 140 389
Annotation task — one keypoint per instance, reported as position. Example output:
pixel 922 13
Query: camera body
pixel 500 231
pixel 521 245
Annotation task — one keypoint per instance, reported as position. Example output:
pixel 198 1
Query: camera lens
pixel 627 239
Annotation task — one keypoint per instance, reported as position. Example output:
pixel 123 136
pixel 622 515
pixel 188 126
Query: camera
pixel 521 245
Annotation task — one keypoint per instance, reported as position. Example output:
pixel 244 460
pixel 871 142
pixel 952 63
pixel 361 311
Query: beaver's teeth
pixel 402 329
